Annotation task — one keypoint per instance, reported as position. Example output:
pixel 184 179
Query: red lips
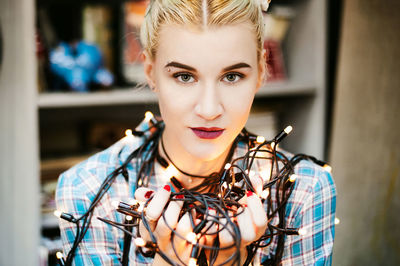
pixel 207 132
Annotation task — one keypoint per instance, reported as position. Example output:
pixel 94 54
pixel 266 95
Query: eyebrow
pixel 180 65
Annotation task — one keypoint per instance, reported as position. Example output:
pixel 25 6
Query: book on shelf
pixel 277 24
pixel 131 62
pixel 97 29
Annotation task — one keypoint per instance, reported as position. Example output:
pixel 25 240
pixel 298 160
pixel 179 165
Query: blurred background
pixel 71 83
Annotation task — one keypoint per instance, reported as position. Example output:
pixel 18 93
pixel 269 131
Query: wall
pixel 365 147
pixel 19 158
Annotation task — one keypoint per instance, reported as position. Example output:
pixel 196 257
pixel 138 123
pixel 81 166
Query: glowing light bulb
pixel 260 139
pixel 57 213
pixel 191 237
pixel 140 208
pixel 115 203
pixel 272 144
pixel 128 218
pixel 264 194
pixel 140 182
pixel 139 242
pixel 128 133
pixel 171 171
pixel 292 178
pixel 133 201
pixel 302 231
pixel 337 221
pixel 192 262
pixel 251 173
pixel 227 166
pixel 265 174
pixel 148 116
pixel 328 168
pixel 288 129
pixel 59 255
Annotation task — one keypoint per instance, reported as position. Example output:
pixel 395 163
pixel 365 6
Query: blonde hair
pixel 200 14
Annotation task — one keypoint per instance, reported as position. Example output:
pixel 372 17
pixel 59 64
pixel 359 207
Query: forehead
pixel 219 45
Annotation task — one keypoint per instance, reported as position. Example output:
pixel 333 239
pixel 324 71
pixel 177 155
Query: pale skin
pixel 204 78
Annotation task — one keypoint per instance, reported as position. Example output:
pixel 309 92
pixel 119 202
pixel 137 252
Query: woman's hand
pixel 161 225
pixel 252 223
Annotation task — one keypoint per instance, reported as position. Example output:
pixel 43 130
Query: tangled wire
pixel 212 206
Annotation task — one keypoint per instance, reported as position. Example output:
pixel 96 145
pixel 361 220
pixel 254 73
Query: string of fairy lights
pixel 211 208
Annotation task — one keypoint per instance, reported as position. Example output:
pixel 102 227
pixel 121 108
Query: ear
pixel 262 69
pixel 148 64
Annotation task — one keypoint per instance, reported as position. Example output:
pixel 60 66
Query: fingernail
pixel 148 194
pixel 244 205
pixel 249 193
pixel 167 188
pixel 180 196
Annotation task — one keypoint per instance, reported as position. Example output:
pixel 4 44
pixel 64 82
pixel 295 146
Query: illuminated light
pixel 139 242
pixel 59 255
pixel 133 202
pixel 227 166
pixel 260 139
pixel 57 213
pixel 272 144
pixel 264 194
pixel 302 231
pixel 337 221
pixel 192 262
pixel 148 116
pixel 265 174
pixel 115 203
pixel 328 168
pixel 292 178
pixel 128 218
pixel 191 237
pixel 140 182
pixel 128 133
pixel 171 171
pixel 288 129
pixel 140 208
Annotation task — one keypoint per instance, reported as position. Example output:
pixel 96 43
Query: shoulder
pixel 83 180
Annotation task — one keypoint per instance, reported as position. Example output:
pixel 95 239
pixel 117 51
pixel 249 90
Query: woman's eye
pixel 232 77
pixel 184 77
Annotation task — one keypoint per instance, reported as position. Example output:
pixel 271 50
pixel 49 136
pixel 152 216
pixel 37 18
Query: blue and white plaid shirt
pixel 311 206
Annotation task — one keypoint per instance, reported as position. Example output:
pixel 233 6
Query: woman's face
pixel 205 82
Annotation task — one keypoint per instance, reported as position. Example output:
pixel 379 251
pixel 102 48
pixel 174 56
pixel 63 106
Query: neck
pixel 188 163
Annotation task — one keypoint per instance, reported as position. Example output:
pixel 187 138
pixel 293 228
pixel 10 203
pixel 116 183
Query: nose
pixel 209 105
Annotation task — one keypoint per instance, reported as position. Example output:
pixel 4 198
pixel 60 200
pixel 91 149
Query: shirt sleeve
pixel 99 245
pixel 317 218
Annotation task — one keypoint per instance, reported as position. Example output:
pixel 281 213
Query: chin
pixel 206 152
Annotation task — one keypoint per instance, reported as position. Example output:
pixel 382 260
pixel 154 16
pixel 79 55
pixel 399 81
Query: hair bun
pixel 264 4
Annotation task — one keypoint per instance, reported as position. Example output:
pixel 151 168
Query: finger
pixel 169 219
pixel 257 210
pixel 246 227
pixel 143 194
pixel 226 234
pixel 157 204
pixel 184 227
pixel 257 182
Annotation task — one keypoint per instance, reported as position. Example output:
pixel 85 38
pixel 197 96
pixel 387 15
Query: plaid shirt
pixel 311 206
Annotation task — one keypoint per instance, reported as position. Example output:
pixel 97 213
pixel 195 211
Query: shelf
pixel 138 96
pixel 50 169
pixel 113 97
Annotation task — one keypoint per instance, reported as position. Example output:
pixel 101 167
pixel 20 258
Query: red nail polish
pixel 148 194
pixel 180 196
pixel 249 193
pixel 167 188
pixel 244 205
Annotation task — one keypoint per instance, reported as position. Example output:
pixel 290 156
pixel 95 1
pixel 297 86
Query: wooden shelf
pixel 137 96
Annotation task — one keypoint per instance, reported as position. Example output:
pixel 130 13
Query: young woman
pixel 205 61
